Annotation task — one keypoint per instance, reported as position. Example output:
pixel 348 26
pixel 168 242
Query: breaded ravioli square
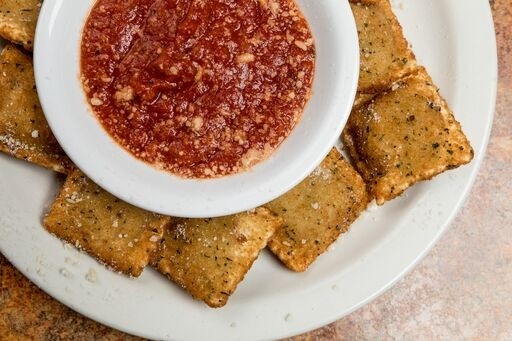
pixel 403 136
pixel 24 132
pixel 384 52
pixel 209 257
pixel 317 211
pixel 18 19
pixel 118 234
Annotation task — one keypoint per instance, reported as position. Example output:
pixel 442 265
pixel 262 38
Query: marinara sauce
pixel 201 88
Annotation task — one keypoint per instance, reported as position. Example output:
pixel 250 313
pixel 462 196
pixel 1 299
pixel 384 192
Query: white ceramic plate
pixel 457 44
pixel 56 60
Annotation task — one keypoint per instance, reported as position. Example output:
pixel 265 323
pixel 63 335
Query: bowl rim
pixel 118 172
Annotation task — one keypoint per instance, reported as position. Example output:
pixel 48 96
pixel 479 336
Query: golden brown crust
pixel 24 132
pixel 18 19
pixel 317 211
pixel 116 233
pixel 403 136
pixel 384 52
pixel 362 98
pixel 209 257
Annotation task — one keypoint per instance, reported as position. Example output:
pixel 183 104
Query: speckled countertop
pixel 461 290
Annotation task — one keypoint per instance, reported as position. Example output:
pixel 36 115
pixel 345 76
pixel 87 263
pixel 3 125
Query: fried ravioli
pixel 384 53
pixel 317 211
pixel 209 257
pixel 18 19
pixel 24 132
pixel 118 234
pixel 403 136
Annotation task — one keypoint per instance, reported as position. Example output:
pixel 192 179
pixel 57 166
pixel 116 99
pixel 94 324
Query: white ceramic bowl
pixel 57 69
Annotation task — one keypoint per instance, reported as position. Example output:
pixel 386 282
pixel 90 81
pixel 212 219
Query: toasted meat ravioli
pixel 18 19
pixel 317 211
pixel 209 257
pixel 24 132
pixel 384 52
pixel 116 233
pixel 405 135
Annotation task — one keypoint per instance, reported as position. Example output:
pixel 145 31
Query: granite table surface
pixel 461 290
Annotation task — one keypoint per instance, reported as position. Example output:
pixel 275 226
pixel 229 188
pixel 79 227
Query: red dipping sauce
pixel 201 88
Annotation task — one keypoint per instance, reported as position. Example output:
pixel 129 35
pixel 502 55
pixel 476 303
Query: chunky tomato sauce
pixel 201 88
